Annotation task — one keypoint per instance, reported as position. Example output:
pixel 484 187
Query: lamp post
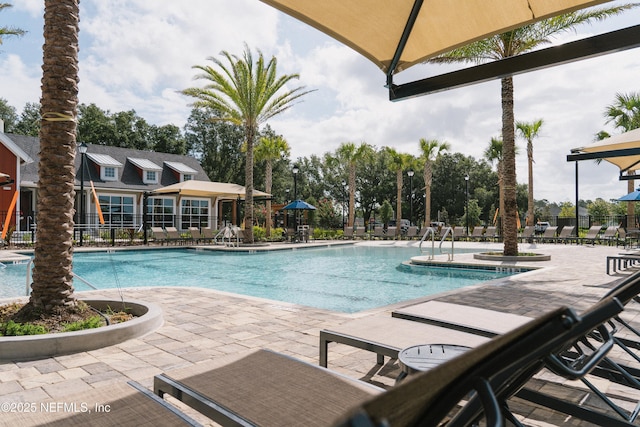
pixel 82 149
pixel 344 200
pixel 410 173
pixel 295 171
pixel 466 203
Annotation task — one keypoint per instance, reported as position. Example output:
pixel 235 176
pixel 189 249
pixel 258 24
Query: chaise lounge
pixel 271 389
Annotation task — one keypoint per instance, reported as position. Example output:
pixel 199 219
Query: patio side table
pixel 426 356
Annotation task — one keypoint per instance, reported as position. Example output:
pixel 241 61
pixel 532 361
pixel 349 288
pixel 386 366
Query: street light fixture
pixel 295 171
pixel 82 149
pixel 466 209
pixel 410 173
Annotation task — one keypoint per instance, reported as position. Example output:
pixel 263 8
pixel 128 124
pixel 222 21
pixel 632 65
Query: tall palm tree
pixel 9 31
pixel 398 163
pixel 270 149
pixel 52 288
pixel 529 131
pixel 493 153
pixel 430 150
pixel 347 155
pixel 625 115
pixel 246 94
pixel 512 43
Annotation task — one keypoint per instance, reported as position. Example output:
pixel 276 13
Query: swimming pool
pixel 343 278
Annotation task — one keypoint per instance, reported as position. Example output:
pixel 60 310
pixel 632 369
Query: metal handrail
pixel 447 231
pixel 432 231
pixel 28 285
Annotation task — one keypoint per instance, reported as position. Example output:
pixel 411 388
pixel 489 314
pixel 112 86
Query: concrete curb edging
pixel 31 347
pixel 490 257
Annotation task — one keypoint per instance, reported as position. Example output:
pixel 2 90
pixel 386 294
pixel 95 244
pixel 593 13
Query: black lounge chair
pixel 489 323
pixel 270 389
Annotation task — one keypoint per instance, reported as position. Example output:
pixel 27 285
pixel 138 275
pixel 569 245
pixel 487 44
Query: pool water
pixel 346 278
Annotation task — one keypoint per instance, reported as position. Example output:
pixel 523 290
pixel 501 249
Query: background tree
pixel 398 163
pixel 6 32
pixel 268 150
pixel 512 43
pixel 386 212
pixel 8 115
pixel 52 287
pixel 29 121
pixel 346 158
pixel 167 139
pixel 529 131
pixel 429 150
pixel 493 153
pixel 246 94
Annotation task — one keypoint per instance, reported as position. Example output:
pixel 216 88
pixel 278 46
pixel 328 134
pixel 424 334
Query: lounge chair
pixel 208 234
pixel 459 233
pixel 527 233
pixel 489 323
pixel 361 232
pixel 270 389
pixel 378 232
pixel 116 405
pixel 392 233
pixel 491 233
pixel 348 232
pixel 566 234
pixel 159 235
pixel 477 233
pixel 548 235
pixel 609 235
pixel 173 235
pixel 196 235
pixel 592 234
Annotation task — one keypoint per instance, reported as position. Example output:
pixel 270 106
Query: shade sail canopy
pixel 622 150
pixel 196 188
pixel 397 34
pixel 299 205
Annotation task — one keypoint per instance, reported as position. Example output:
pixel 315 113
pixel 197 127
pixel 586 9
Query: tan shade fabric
pixel 374 27
pixel 623 141
pixel 195 188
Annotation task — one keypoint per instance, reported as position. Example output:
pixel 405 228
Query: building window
pixel 194 213
pixel 151 177
pixel 187 177
pixel 108 173
pixel 117 210
pixel 161 212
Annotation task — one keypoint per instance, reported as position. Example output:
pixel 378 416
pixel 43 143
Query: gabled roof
pixel 180 167
pixel 144 164
pixel 128 176
pixel 14 148
pixel 104 160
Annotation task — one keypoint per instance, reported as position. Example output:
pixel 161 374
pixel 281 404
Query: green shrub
pixel 90 323
pixel 259 233
pixel 12 328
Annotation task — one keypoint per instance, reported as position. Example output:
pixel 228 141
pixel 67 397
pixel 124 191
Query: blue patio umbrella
pixel 299 205
pixel 634 196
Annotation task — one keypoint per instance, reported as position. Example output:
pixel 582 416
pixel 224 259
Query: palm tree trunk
pixel 52 276
pixel 428 177
pixel 352 194
pixel 250 132
pixel 530 195
pixel 509 163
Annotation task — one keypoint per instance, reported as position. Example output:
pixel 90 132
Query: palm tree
pixel 398 163
pixel 246 94
pixel 512 43
pixel 625 114
pixel 430 151
pixel 529 131
pixel 348 155
pixel 270 149
pixel 9 31
pixel 493 153
pixel 52 288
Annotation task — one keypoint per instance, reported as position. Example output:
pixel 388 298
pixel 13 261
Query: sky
pixel 138 55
